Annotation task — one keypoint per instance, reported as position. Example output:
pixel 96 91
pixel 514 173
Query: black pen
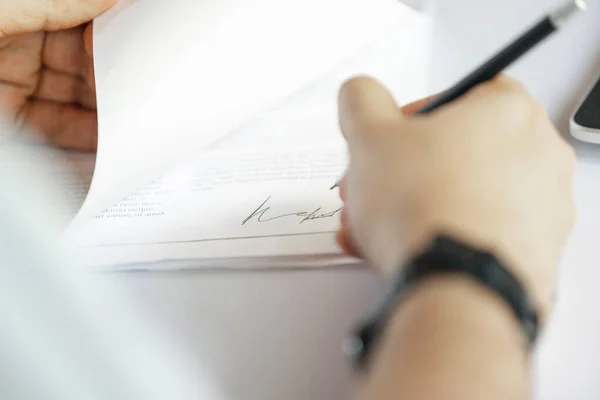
pixel 359 344
pixel 511 53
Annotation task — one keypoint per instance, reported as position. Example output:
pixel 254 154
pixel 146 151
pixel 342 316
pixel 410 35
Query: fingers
pixel 344 240
pixel 12 99
pixel 342 189
pixel 65 88
pixel 64 51
pixel 495 102
pixel 87 96
pixel 88 41
pixel 89 75
pixel 344 237
pixel 20 60
pixel 34 15
pixel 365 105
pixel 63 125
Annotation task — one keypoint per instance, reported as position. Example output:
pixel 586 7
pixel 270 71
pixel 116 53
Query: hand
pixel 46 68
pixel 489 169
pixel 344 237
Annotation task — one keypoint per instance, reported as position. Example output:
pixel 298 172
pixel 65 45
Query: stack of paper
pixel 214 144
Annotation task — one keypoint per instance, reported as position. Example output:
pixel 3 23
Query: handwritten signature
pixel 261 214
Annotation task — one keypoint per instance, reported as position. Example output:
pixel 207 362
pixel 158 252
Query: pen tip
pixel 333 187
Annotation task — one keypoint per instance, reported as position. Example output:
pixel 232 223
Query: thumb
pixel 364 106
pixel 25 16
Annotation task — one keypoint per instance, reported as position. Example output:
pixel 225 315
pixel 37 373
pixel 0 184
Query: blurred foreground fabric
pixel 64 332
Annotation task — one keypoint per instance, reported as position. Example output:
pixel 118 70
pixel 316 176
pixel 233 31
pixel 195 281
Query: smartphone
pixel 585 124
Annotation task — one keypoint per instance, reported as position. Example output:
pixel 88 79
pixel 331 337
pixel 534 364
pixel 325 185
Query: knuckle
pixel 506 86
pixel 510 98
pixel 513 90
pixel 506 83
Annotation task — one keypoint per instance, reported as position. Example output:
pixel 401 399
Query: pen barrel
pixel 495 65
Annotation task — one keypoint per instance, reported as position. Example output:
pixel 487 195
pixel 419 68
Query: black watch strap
pixel 447 256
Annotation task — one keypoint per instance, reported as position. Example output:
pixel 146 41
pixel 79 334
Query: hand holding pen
pixel 506 57
pixel 490 168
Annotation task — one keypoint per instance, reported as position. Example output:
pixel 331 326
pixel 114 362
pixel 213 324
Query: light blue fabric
pixel 64 334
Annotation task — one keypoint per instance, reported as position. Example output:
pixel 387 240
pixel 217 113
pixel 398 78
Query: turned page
pixel 174 77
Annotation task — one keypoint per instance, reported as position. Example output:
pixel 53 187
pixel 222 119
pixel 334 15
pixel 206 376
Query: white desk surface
pixel 277 335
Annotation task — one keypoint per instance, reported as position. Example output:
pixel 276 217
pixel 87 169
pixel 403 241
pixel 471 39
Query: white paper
pixel 228 205
pixel 306 120
pixel 174 77
pixel 304 126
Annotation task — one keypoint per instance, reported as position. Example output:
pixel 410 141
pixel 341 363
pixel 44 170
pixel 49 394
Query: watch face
pixel 588 116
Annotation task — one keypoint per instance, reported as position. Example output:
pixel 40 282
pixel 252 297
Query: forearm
pixel 451 339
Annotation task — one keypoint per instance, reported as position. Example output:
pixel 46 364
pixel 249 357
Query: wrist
pixel 533 271
pixel 454 327
pixel 447 258
pixel 455 302
pixel 455 339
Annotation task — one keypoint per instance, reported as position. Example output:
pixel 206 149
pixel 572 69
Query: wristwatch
pixel 445 255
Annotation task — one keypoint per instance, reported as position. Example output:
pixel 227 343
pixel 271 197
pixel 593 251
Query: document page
pixel 229 196
pixel 174 77
pixel 258 196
